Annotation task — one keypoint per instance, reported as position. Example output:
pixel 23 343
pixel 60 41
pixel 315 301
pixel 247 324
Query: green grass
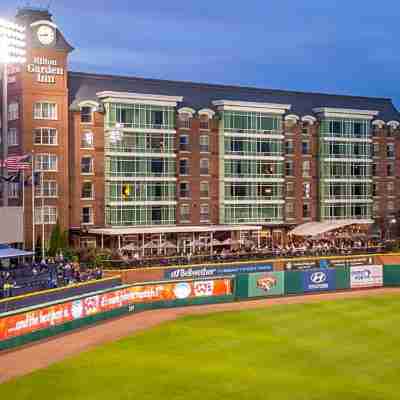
pixel 347 349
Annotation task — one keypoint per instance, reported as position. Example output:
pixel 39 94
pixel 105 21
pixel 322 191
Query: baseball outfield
pixel 335 349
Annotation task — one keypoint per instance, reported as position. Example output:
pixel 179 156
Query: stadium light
pixel 12 51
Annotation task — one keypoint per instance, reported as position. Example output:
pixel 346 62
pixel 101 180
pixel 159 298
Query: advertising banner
pixel 209 271
pixel 347 262
pixel 319 279
pixel 366 276
pixel 58 314
pixel 266 284
pixel 300 265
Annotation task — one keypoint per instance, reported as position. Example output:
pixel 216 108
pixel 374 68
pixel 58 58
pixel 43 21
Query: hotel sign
pixel 46 69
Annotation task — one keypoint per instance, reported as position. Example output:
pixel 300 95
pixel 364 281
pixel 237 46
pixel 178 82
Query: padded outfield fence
pixel 33 323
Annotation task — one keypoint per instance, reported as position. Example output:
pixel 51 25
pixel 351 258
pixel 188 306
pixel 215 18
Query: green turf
pixel 347 349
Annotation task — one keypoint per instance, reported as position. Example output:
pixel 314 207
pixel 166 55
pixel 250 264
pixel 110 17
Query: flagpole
pixel 41 189
pixel 23 207
pixel 33 204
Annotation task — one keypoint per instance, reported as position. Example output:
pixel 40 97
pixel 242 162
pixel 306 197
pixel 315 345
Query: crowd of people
pixel 21 278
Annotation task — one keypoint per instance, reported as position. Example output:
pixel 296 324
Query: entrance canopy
pixel 172 229
pixel 10 252
pixel 319 228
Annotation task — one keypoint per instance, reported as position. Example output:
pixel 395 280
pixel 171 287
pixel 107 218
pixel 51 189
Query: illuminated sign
pixel 45 69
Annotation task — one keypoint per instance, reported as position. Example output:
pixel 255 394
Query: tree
pixel 58 241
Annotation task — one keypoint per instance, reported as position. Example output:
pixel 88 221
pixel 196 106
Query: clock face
pixel 46 35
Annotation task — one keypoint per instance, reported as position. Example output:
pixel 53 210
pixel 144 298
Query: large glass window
pixel 46 215
pixel 345 128
pixel 140 116
pixel 45 136
pixel 48 189
pixel 143 166
pixel 251 121
pixel 140 215
pixel 46 162
pixel 45 110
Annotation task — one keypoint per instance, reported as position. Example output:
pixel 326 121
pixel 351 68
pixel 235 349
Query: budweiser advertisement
pixel 42 318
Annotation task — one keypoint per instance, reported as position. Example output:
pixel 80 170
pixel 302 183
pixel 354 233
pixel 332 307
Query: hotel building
pixel 125 156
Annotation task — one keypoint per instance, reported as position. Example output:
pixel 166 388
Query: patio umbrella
pixel 151 245
pixel 168 245
pixel 130 247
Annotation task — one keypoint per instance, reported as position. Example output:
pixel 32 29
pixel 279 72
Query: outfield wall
pixel 38 322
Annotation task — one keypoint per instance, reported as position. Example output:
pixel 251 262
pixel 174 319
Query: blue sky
pixel 347 47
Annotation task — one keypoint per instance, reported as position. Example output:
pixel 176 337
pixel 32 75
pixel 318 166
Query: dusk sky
pixel 346 47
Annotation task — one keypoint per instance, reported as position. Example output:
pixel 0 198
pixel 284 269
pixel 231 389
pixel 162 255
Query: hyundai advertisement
pixel 319 279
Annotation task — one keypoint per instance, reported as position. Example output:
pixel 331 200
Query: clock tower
pixel 40 88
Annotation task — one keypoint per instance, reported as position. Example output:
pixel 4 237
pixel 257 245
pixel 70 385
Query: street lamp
pixel 12 51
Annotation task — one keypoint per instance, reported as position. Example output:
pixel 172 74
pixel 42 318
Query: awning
pixel 10 252
pixel 319 228
pixel 172 229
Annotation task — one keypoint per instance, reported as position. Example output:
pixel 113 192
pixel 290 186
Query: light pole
pixel 12 51
pixel 392 222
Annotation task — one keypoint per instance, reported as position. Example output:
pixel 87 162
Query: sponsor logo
pixel 361 275
pixel 318 277
pixel 77 309
pixel 204 288
pixel 267 283
pixel 182 290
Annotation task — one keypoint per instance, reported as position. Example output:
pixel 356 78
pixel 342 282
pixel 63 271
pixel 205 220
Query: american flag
pixel 17 163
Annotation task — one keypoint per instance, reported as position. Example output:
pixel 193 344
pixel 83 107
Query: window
pixel 185 213
pixel 289 210
pixel 389 169
pixel 185 120
pixel 204 213
pixel 289 168
pixel 86 115
pixel 48 189
pixel 87 165
pixel 157 166
pixel 305 131
pixel 13 190
pixel 184 166
pixel 184 190
pixel 204 166
pixel 204 189
pixel 184 143
pixel 374 191
pixel 45 111
pixel 306 166
pixel 204 122
pixel 305 147
pixel 204 143
pixel 289 147
pixel 13 111
pixel 306 190
pixel 87 215
pixel 87 190
pixel 376 149
pixel 46 162
pixel 374 169
pixel 375 209
pixel 47 215
pixel 45 136
pixel 87 140
pixel 13 137
pixel 390 206
pixel 306 210
pixel 290 189
pixel 390 150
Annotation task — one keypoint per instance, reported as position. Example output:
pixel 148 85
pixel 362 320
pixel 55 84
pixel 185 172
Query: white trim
pixel 139 155
pixel 143 130
pixel 252 201
pixel 348 200
pixel 346 113
pixel 140 178
pixel 309 118
pixel 174 229
pixel 240 157
pixel 292 117
pixel 206 111
pixel 268 108
pixel 250 180
pixel 141 98
pixel 356 160
pixel 254 135
pixel 393 124
pixel 89 103
pixel 187 110
pixel 141 203
pixel 44 22
pixel 379 123
pixel 347 180
pixel 345 139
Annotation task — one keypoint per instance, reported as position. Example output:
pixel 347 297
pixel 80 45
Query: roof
pixel 10 252
pixel 84 86
pixel 319 228
pixel 172 229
